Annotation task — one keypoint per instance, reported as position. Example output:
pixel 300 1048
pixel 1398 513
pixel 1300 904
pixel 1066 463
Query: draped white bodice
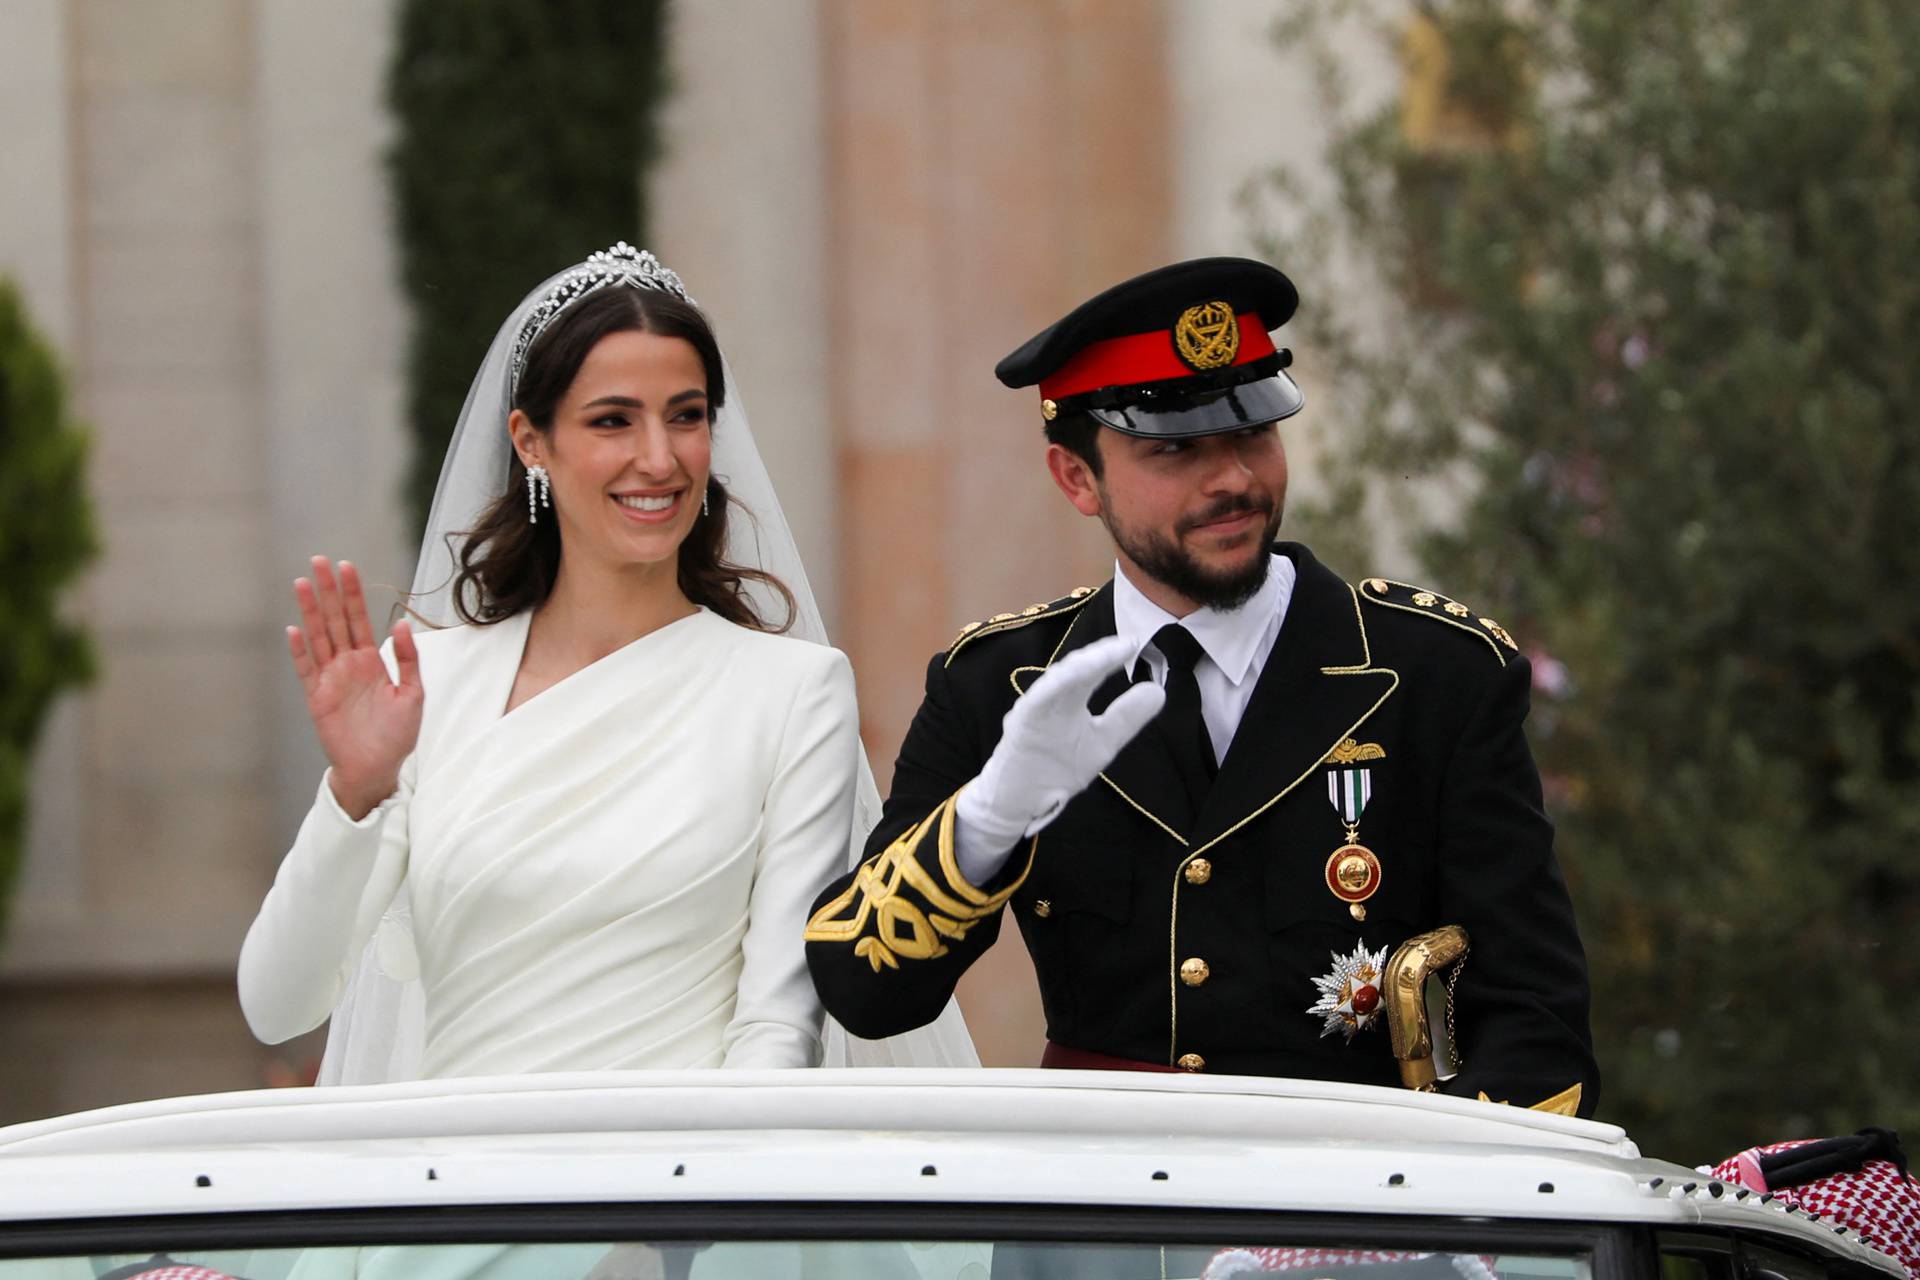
pixel 615 873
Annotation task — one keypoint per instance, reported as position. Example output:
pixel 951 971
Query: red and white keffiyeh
pixel 1878 1200
pixel 1236 1264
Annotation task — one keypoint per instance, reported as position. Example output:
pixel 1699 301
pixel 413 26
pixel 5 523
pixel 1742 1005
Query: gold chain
pixel 1453 1037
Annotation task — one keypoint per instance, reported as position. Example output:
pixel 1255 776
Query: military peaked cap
pixel 1184 350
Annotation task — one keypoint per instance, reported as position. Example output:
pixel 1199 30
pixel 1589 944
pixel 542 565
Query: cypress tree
pixel 46 537
pixel 524 132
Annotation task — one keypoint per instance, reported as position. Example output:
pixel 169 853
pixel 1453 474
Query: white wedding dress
pixel 616 873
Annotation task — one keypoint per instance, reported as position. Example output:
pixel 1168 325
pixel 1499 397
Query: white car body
pixel 631 1155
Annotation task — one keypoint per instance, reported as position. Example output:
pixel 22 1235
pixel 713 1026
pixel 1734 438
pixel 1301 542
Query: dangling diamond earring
pixel 538 486
pixel 704 493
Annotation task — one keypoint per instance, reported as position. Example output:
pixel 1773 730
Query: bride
pixel 581 826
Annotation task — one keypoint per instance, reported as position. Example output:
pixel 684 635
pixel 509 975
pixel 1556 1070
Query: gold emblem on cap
pixel 1207 336
pixel 1049 410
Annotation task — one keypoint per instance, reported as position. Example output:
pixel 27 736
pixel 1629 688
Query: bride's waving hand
pixel 367 722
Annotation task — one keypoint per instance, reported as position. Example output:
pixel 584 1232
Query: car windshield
pixel 809 1260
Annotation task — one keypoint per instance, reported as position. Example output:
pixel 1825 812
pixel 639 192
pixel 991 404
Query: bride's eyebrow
pixel 628 402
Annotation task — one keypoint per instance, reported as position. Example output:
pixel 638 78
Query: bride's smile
pixel 648 506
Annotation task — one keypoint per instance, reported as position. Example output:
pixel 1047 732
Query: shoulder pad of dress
pixel 1431 604
pixel 1010 621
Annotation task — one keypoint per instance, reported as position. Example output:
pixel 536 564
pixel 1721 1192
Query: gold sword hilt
pixel 1405 992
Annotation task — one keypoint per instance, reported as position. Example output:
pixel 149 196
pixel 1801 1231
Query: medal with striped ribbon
pixel 1352 871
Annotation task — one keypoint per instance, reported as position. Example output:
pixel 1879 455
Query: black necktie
pixel 1181 719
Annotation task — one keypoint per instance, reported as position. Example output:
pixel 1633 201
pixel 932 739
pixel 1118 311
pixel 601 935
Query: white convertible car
pixel 876 1175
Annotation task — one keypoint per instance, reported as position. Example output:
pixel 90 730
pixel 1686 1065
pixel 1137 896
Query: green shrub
pixel 46 536
pixel 524 134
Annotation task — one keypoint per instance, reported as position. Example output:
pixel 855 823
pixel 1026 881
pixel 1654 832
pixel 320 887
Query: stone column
pixel 197 207
pixel 335 444
pixel 992 162
pixel 1242 107
pixel 166 346
pixel 738 208
pixel 143 867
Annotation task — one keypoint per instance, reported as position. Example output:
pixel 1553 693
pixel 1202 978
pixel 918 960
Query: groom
pixel 1217 791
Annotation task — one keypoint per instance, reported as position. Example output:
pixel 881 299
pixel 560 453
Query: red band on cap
pixel 1142 357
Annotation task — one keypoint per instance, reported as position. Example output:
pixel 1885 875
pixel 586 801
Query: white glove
pixel 1051 749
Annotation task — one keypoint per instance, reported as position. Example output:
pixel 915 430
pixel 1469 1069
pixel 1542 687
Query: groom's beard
pixel 1163 559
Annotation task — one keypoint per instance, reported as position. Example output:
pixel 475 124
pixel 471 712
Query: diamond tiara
pixel 621 265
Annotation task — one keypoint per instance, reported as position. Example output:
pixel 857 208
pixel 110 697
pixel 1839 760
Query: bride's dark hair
pixel 509 564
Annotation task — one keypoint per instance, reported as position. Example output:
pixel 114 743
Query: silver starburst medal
pixel 1350 995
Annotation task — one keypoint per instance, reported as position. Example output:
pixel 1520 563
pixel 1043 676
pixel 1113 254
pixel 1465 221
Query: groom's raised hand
pixel 1052 747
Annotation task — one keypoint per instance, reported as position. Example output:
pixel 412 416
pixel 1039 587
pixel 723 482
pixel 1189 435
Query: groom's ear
pixel 525 437
pixel 1075 478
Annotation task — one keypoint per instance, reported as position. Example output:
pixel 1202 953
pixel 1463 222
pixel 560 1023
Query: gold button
pixel 1194 971
pixel 1043 908
pixel 1199 871
pixel 1049 410
pixel 1191 1062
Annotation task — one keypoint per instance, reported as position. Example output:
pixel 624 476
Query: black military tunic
pixel 1166 936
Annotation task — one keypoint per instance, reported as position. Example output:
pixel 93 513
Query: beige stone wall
pixel 202 231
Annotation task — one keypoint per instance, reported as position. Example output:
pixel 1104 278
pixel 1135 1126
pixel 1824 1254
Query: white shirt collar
pixel 1231 638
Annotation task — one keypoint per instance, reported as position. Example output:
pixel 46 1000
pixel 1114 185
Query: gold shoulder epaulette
pixel 1009 621
pixel 1411 599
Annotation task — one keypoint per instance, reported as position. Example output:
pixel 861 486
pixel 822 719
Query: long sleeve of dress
pixel 325 904
pixel 807 820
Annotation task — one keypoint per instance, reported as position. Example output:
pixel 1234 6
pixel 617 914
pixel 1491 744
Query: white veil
pixel 378 1029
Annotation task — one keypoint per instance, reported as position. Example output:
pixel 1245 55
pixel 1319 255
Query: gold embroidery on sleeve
pixel 899 910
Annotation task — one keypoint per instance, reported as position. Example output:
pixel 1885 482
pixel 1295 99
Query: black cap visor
pixel 1178 415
